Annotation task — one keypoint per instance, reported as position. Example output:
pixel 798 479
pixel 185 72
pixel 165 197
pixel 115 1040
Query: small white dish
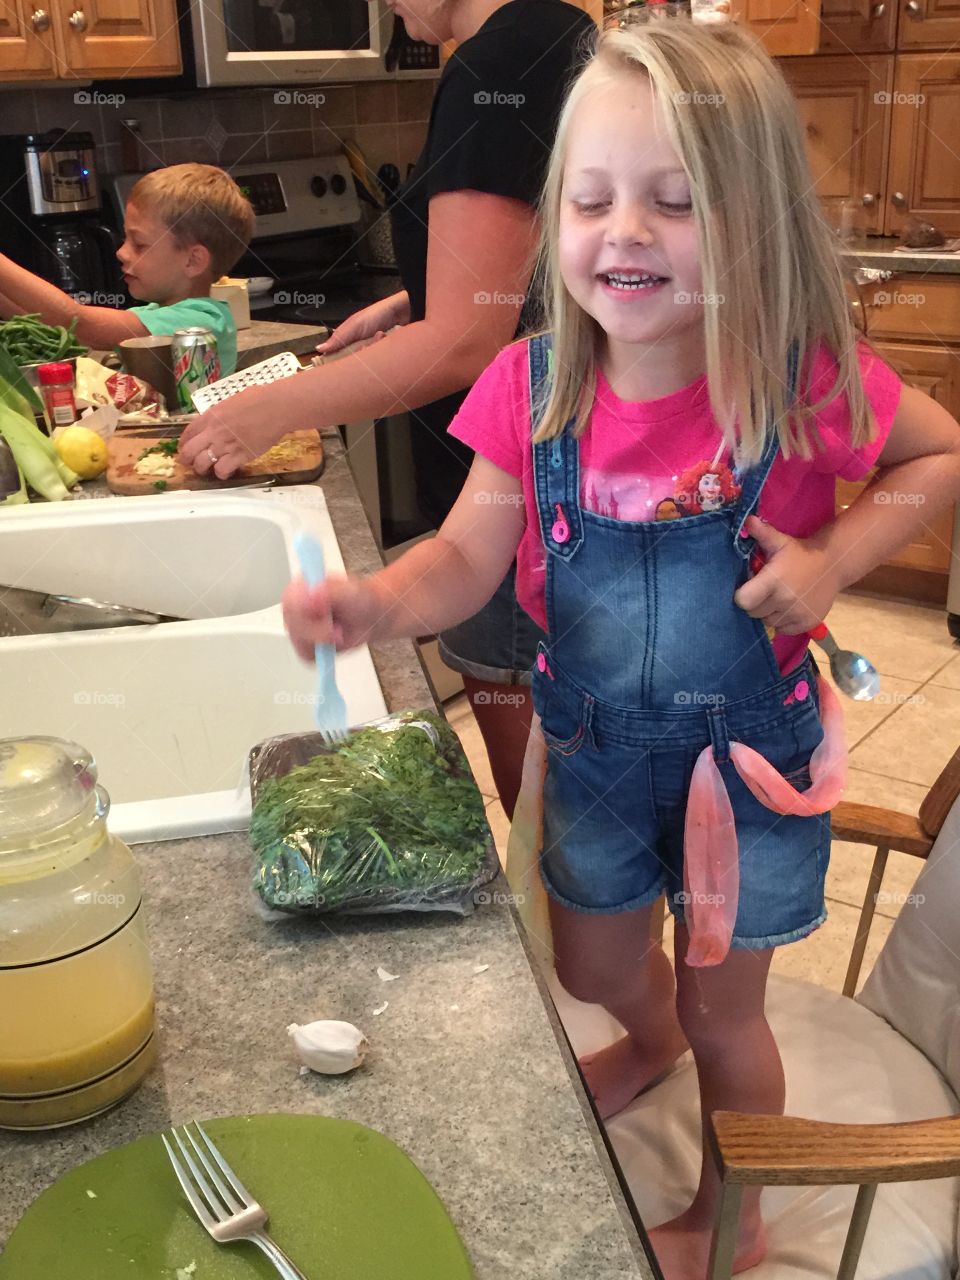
pixel 259 285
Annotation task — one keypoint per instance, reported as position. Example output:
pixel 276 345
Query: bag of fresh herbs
pixel 391 820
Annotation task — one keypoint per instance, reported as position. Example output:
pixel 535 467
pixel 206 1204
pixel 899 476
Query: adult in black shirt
pixel 465 234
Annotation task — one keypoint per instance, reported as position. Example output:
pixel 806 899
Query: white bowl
pixel 258 285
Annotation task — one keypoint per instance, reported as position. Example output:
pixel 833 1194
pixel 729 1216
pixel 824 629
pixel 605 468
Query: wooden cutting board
pixel 344 1203
pixel 124 450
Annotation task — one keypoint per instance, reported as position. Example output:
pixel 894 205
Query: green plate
pixel 345 1203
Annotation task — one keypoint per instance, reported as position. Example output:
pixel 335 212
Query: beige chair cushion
pixel 843 1064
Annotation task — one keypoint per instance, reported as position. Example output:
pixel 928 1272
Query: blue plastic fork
pixel 330 710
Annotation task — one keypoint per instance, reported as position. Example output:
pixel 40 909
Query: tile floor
pixel 898 745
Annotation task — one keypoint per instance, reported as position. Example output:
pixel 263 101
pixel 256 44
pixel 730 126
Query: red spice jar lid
pixel 50 375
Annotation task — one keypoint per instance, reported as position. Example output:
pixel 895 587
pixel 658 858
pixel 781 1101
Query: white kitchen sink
pixel 170 712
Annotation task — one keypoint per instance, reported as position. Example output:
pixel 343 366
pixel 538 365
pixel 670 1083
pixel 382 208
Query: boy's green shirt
pixel 211 313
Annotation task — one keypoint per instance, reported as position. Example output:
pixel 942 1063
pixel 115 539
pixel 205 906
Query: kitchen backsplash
pixel 388 121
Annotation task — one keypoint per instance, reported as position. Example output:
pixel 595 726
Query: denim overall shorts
pixel 648 661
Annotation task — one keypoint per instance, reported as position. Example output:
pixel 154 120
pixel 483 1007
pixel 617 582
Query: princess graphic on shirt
pixel 679 173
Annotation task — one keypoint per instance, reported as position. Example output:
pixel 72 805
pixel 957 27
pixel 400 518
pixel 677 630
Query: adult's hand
pixel 237 429
pixel 369 324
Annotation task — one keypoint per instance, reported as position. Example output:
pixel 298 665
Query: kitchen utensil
pixel 362 171
pixel 125 448
pixel 150 358
pixel 854 674
pixel 29 613
pixel 344 1201
pixel 388 175
pixel 282 365
pixel 330 711
pixel 225 1208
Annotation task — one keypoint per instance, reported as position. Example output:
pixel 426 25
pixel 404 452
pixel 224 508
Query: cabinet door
pixel 936 371
pixel 112 37
pixel 785 27
pixel 868 26
pixel 929 24
pixel 924 174
pixel 846 122
pixel 27 44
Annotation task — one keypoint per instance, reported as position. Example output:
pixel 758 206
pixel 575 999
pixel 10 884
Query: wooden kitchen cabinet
pixel 929 24
pixel 924 172
pixel 843 105
pixel 867 26
pixel 786 28
pixel 87 39
pixel 28 49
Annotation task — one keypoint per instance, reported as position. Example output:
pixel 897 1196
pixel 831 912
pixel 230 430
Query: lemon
pixel 83 451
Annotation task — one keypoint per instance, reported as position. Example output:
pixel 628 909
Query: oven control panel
pixel 288 196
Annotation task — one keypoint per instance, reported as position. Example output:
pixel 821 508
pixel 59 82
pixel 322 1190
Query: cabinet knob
pixel 78 20
pixel 914 8
pixel 899 200
pixel 40 20
pixel 878 10
pixel 869 199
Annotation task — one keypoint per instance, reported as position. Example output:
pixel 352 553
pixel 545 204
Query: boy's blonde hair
pixel 199 204
pixel 766 252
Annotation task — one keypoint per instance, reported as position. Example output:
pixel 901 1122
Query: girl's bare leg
pixel 611 960
pixel 721 1009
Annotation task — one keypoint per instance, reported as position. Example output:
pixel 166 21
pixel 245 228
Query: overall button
pixel 561 530
pixel 801 690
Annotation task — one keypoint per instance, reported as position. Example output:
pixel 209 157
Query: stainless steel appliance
pixel 50 215
pixel 281 42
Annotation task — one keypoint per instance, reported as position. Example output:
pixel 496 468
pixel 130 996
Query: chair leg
pixel 856 1231
pixel 866 919
pixel 724 1240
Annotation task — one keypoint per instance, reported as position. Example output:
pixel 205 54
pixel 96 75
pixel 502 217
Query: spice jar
pixel 76 986
pixel 56 386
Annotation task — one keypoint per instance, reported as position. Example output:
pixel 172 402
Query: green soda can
pixel 195 362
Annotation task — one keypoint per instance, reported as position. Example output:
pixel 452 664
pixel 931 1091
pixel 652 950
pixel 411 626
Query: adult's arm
pixel 21 292
pixel 479 263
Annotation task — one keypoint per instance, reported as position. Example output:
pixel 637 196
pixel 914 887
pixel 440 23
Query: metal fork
pixel 330 711
pixel 223 1205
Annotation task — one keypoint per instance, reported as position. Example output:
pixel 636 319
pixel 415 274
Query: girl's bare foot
pixel 616 1074
pixel 682 1245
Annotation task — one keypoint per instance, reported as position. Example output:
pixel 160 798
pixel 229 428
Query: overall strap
pixel 756 477
pixel 556 462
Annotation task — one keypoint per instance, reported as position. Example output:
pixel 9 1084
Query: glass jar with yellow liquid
pixel 76 984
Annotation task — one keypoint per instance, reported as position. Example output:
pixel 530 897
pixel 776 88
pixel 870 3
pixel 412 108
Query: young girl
pixel 701 368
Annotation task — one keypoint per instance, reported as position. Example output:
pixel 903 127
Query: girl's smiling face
pixel 628 247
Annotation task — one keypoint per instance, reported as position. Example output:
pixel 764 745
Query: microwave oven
pixel 270 42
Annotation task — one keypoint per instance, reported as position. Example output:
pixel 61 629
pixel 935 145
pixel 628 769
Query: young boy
pixel 184 226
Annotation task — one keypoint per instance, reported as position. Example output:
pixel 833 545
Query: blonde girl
pixel 696 315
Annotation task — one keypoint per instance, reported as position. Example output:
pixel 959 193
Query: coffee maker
pixel 50 219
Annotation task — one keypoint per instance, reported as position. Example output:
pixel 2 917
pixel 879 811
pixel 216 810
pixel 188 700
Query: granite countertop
pixel 265 338
pixel 468 1073
pixel 878 251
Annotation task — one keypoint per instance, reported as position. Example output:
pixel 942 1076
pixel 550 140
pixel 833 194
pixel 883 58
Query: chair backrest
pixel 939 799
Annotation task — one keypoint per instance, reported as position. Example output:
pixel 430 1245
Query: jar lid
pixel 44 784
pixel 54 373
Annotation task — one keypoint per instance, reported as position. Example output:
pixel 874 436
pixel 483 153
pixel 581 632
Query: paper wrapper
pixel 97 385
pixel 524 848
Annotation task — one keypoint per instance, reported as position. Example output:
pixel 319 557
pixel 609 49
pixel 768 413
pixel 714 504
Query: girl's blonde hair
pixel 770 272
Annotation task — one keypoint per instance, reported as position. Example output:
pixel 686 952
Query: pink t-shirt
pixel 632 454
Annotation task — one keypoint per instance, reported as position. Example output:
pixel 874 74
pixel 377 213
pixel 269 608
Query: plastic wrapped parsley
pixel 391 820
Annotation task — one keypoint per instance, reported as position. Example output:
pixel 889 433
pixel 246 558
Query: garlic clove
pixel 328 1046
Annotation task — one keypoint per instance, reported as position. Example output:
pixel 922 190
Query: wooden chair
pixel 758 1150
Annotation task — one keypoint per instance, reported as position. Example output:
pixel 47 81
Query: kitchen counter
pixel 468 1072
pixel 267 338
pixel 878 251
